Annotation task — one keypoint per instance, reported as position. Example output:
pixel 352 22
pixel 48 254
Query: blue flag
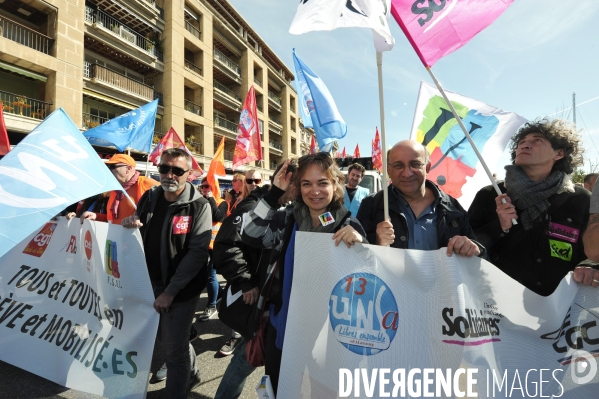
pixel 133 130
pixel 316 100
pixel 50 169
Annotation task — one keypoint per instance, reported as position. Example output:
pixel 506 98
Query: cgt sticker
pixel 561 250
pixel 181 224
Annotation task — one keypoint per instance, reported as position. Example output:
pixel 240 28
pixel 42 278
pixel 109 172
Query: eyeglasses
pixel 113 166
pixel 205 186
pixel 177 171
pixel 251 181
pixel 414 166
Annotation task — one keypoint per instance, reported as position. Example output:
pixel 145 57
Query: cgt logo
pixel 40 241
pixel 181 224
pixel 87 244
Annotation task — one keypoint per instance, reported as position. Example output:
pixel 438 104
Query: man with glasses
pixel 253 180
pixel 122 167
pixel 175 225
pixel 421 215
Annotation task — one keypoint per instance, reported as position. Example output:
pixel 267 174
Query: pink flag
pixel 248 147
pixel 312 146
pixel 172 140
pixel 438 27
pixel 377 156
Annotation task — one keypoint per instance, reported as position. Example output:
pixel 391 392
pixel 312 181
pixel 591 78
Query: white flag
pixel 332 14
pixel 455 168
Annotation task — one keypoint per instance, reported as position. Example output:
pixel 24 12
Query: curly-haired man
pixel 551 212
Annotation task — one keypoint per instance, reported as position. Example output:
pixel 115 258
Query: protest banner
pixel 375 321
pixel 76 308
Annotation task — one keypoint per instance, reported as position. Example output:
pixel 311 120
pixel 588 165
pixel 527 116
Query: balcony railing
pixel 276 120
pixel 227 61
pixel 117 80
pixel 257 81
pixel 260 108
pixel 274 97
pixel 231 126
pixel 193 67
pixel 227 154
pixel 276 145
pixel 194 108
pixel 194 146
pixel 160 12
pixel 193 30
pixel 158 95
pixel 273 165
pixel 16 32
pixel 226 90
pixel 91 121
pixel 101 18
pixel 25 106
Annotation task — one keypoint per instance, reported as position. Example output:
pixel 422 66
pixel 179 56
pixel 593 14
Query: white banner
pixel 382 322
pixel 76 308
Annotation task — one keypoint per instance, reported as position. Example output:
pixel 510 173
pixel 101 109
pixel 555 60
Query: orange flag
pixel 217 167
pixel 4 143
pixel 357 151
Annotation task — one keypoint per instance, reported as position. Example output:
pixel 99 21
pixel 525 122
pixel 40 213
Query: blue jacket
pixel 354 205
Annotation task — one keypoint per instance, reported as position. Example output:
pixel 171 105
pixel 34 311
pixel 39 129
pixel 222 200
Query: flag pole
pixel 459 120
pixel 379 64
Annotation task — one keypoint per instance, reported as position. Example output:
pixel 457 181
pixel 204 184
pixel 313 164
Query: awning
pixel 24 72
pixel 107 99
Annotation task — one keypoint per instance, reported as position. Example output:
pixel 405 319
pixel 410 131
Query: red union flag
pixel 357 152
pixel 248 147
pixel 343 154
pixel 172 140
pixel 377 156
pixel 312 146
pixel 436 28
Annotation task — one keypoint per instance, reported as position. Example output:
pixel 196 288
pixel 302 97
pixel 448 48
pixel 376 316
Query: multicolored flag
pixel 217 167
pixel 454 165
pixel 248 147
pixel 357 151
pixel 172 140
pixel 332 14
pixel 439 28
pixel 377 156
pixel 4 143
pixel 313 94
pixel 132 130
pixel 312 145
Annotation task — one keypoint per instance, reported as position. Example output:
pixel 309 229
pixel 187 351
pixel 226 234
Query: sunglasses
pixel 205 186
pixel 177 171
pixel 113 166
pixel 252 181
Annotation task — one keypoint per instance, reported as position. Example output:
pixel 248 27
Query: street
pixel 17 383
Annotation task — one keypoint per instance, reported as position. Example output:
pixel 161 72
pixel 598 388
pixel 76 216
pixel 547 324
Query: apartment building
pixel 100 58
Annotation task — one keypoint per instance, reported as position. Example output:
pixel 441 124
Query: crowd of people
pixel 540 228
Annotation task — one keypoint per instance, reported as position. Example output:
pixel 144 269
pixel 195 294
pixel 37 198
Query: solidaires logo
pixel 363 313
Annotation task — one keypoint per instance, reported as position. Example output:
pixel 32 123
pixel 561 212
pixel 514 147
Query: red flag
pixel 217 167
pixel 377 156
pixel 172 140
pixel 4 143
pixel 357 152
pixel 343 153
pixel 248 147
pixel 439 29
pixel 312 146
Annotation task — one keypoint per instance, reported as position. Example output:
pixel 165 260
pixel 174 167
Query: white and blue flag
pixel 51 168
pixel 317 101
pixel 132 130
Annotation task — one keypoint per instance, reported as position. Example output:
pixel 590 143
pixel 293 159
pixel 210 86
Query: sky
pixel 529 61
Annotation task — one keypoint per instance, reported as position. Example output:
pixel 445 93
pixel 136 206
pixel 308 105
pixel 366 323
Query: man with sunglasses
pixel 253 180
pixel 421 215
pixel 175 225
pixel 122 167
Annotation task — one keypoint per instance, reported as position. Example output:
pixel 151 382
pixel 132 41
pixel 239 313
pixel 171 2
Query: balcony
pixel 115 80
pixel 102 20
pixel 257 81
pixel 18 33
pixel 193 30
pixel 226 96
pixel 227 66
pixel 193 108
pixel 275 101
pixel 24 106
pixel 276 120
pixel 158 95
pixel 229 128
pixel 260 107
pixel 228 155
pixel 273 165
pixel 91 121
pixel 275 145
pixel 193 67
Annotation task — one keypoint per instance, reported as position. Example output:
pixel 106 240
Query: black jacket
pixel 182 256
pixel 243 266
pixel 452 219
pixel 527 255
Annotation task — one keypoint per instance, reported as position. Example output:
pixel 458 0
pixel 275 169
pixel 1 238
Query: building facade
pixel 98 59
